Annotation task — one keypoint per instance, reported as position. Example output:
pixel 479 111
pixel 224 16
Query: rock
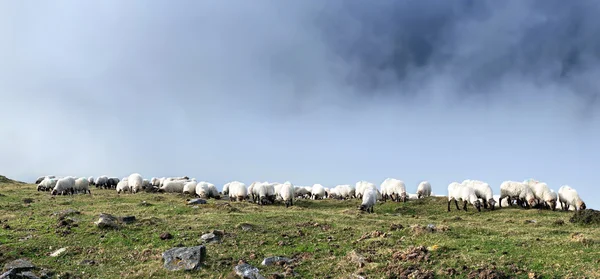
pixel 29 275
pixel 9 274
pixel 127 219
pixel 184 258
pixel 19 265
pixel 165 236
pixel 58 252
pixel 246 271
pixel 276 260
pixel 46 274
pixel 196 201
pixel 107 221
pixel 214 236
pixel 65 213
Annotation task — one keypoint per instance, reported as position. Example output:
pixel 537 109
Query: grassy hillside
pixel 327 239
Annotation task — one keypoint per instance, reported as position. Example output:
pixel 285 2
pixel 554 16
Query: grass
pixel 320 235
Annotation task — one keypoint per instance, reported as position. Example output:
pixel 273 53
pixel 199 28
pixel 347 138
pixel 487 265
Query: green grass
pixel 319 234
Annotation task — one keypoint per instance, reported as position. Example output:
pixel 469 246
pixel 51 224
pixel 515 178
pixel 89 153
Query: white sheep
pixel 544 195
pixel 237 191
pixel 287 193
pixel 213 191
pixel 369 198
pixel 172 186
pixel 466 194
pixel 47 184
pixel 190 187
pixel 91 181
pixel 519 191
pixel 64 186
pixel 226 190
pixel 123 186
pixel 318 192
pixel 343 192
pixel 301 192
pixel 392 188
pixel 202 190
pixel 135 182
pixel 569 197
pixel 483 191
pixel 424 189
pixel 82 185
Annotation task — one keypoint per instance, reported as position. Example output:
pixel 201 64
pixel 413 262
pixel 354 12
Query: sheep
pixel 123 186
pixel 225 190
pixel 64 186
pixel 190 187
pixel 424 189
pixel 91 181
pixel 369 198
pixel 318 192
pixel 135 182
pixel 301 192
pixel 201 190
pixel 544 195
pixel 101 181
pixel 82 185
pixel 514 190
pixel 261 190
pixel 483 191
pixel 172 186
pixel 287 193
pixel 237 191
pixel 465 193
pixel 112 182
pixel 393 188
pixel 342 192
pixel 360 188
pixel 146 184
pixel 569 197
pixel 213 191
pixel 47 184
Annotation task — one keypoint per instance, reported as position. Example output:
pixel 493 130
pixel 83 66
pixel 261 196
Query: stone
pixel 214 236
pixel 58 252
pixel 9 274
pixel 246 271
pixel 276 260
pixel 184 258
pixel 19 265
pixel 29 275
pixel 196 201
pixel 107 221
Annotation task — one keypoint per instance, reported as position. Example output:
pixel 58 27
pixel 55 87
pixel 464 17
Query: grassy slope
pixel 475 239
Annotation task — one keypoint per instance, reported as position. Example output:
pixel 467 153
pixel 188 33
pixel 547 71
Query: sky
pixel 328 92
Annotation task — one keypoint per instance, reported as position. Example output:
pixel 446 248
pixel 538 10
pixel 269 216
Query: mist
pixel 328 92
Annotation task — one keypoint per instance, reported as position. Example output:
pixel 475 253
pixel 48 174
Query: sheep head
pixel 581 205
pixel 492 203
pixel 477 205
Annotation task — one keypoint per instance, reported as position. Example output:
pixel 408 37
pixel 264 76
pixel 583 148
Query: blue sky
pixel 327 92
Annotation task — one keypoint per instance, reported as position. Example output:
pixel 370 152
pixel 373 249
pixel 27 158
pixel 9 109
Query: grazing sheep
pixel 393 188
pixel 91 181
pixel 190 187
pixel 568 197
pixel 123 186
pixel 287 193
pixel 47 184
pixel 424 189
pixel 369 198
pixel 202 190
pixel 112 182
pixel 172 186
pixel 146 184
pixel 343 192
pixel 82 186
pixel 135 182
pixel 301 192
pixel 318 192
pixel 237 191
pixel 101 181
pixel 466 194
pixel 514 190
pixel 64 186
pixel 544 195
pixel 226 190
pixel 213 191
pixel 483 191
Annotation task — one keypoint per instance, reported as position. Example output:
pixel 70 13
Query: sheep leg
pixel 465 205
pixel 485 204
pixel 449 205
pixel 456 203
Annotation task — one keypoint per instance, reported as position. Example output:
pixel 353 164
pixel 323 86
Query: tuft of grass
pixel 326 238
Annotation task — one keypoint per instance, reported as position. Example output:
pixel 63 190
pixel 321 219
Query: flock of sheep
pixel 529 193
